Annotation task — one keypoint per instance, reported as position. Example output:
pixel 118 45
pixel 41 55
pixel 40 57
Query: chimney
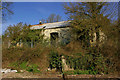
pixel 40 22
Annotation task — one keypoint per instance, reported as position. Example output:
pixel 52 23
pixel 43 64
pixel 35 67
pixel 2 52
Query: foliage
pixel 87 19
pixel 27 35
pixel 25 66
pixel 78 72
pixel 33 68
pixel 21 33
pixel 25 57
pixel 88 61
pixel 55 60
pixel 13 32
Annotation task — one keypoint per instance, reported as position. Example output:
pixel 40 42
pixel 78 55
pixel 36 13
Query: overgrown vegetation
pixel 88 61
pixel 102 57
pixel 89 19
pixel 55 61
pixel 25 66
pixel 25 57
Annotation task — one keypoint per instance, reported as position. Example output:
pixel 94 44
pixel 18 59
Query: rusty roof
pixel 51 25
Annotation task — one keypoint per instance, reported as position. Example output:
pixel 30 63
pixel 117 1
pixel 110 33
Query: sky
pixel 33 12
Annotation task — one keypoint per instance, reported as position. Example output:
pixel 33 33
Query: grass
pixel 31 59
pixel 74 72
pixel 24 66
pixel 78 72
pixel 33 68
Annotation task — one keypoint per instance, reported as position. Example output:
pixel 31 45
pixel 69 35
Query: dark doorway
pixel 54 38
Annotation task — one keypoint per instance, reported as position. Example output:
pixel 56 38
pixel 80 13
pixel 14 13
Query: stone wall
pixel 102 37
pixel 63 34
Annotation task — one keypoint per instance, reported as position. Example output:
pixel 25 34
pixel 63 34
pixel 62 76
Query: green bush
pixel 55 60
pixel 93 62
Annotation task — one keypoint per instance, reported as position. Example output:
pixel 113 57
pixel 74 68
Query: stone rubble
pixel 8 71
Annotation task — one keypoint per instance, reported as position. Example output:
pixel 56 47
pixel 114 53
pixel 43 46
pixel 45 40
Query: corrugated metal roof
pixel 51 25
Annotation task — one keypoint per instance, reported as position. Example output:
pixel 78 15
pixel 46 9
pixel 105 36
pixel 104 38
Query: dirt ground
pixel 44 75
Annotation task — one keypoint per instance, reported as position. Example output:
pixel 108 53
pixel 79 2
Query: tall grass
pixel 82 60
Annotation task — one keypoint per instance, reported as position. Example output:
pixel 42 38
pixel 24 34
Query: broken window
pixel 54 38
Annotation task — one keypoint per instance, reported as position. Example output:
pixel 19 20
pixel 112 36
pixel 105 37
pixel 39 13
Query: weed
pixel 33 68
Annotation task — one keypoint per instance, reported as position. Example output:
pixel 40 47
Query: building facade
pixel 56 32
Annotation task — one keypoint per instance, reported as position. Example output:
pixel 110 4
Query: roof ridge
pixel 48 23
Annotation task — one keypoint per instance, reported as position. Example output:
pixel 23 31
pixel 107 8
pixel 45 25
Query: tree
pixel 88 18
pixel 22 33
pixel 14 31
pixel 53 18
pixel 5 8
pixel 58 18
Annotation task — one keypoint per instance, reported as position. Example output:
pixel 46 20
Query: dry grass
pixel 39 54
pixel 71 48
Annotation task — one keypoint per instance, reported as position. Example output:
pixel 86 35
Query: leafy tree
pixel 22 32
pixel 32 35
pixel 88 18
pixel 14 31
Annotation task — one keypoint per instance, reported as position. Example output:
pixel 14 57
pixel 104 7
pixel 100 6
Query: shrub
pixel 95 63
pixel 55 60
